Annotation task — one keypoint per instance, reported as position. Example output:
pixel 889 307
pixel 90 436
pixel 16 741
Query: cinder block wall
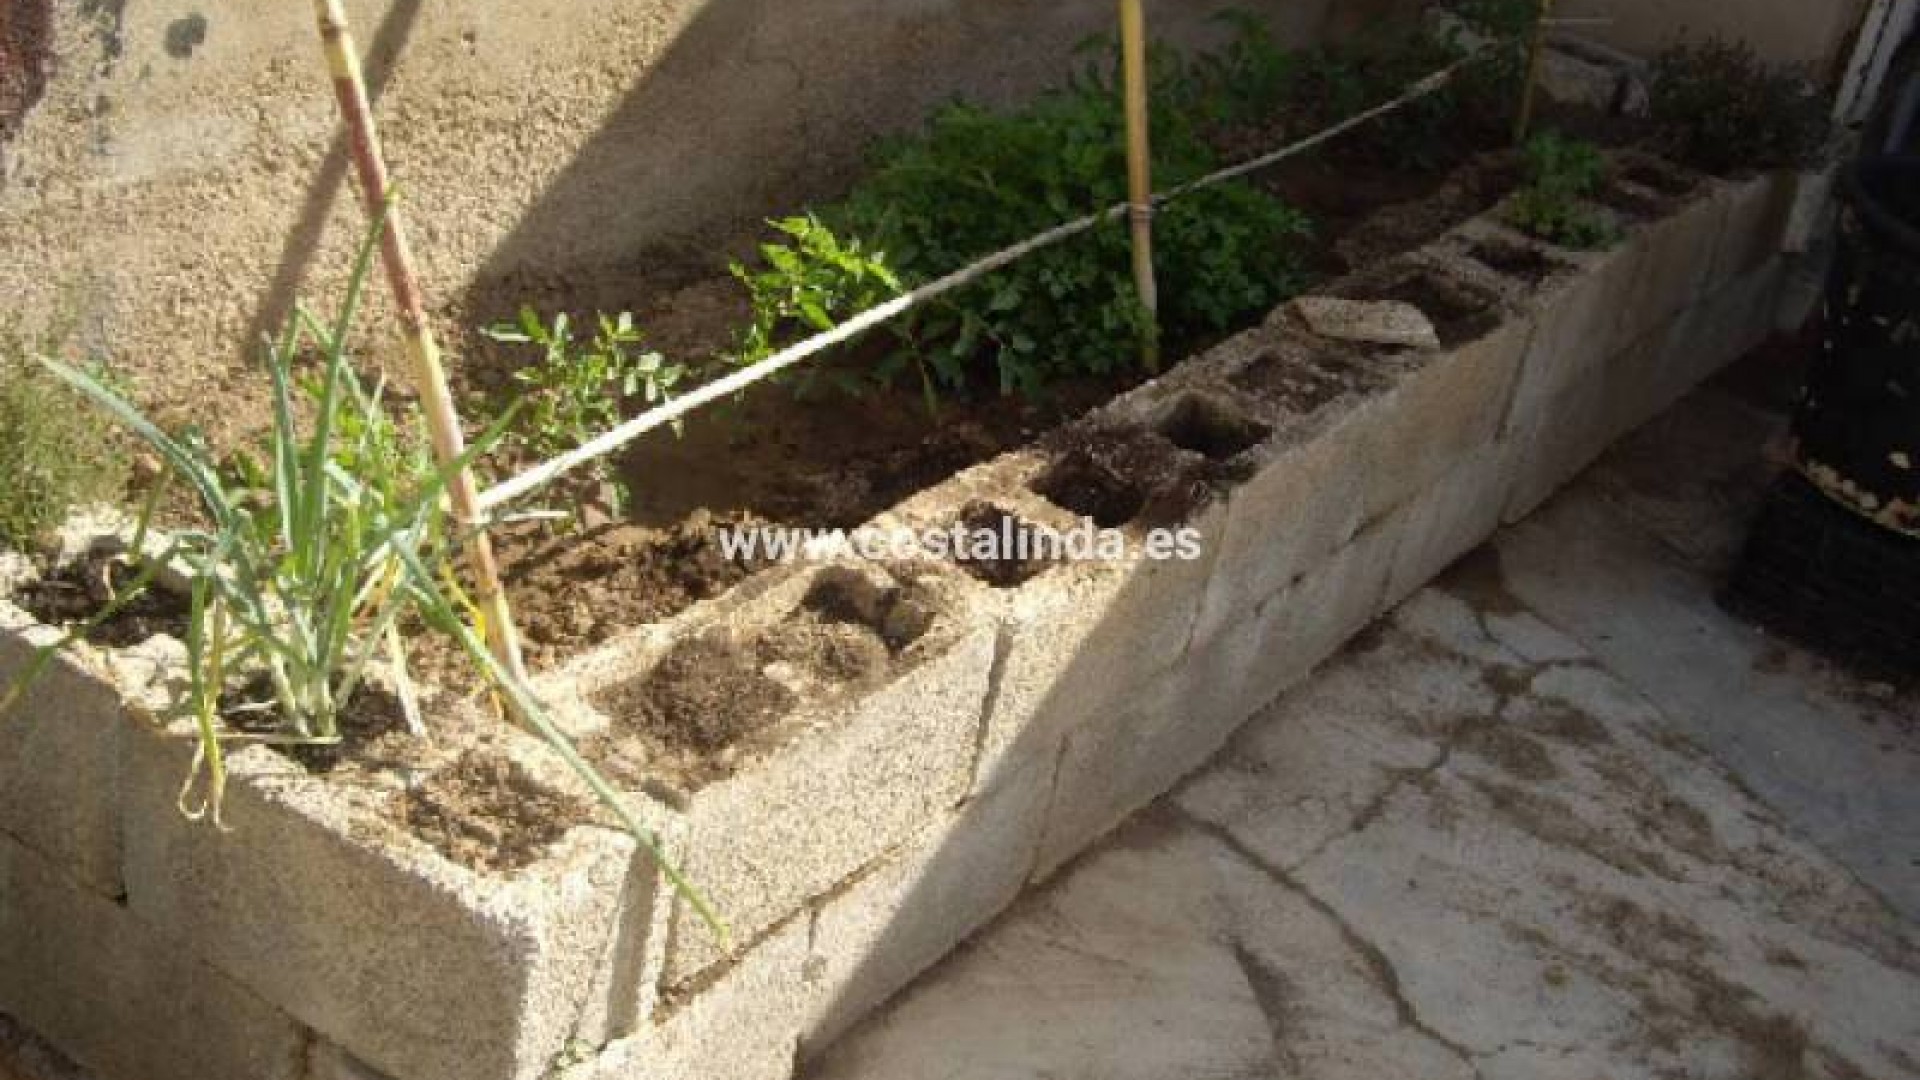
pixel 181 177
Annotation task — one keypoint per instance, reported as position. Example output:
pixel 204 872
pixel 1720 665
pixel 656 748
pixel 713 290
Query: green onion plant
pixel 311 558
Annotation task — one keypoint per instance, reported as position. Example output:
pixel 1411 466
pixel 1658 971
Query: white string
pixel 617 437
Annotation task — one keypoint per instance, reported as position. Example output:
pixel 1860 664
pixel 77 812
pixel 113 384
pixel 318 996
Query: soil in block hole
pixel 484 811
pixel 1210 428
pixel 71 594
pixel 1019 552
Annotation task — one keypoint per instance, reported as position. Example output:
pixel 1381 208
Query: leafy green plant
pixel 1561 173
pixel 1473 112
pixel 810 281
pixel 577 390
pixel 1488 91
pixel 1717 106
pixel 52 458
pixel 313 554
pixel 975 180
pixel 1238 84
pixel 1343 78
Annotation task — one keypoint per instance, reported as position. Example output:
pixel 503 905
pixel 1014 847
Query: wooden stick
pixel 1535 49
pixel 429 375
pixel 1133 62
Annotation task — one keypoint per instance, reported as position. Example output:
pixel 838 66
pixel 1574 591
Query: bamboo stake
pixel 429 375
pixel 1133 61
pixel 1535 48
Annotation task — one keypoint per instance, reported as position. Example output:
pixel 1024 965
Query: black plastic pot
pixel 1833 560
pixel 1824 576
pixel 1858 426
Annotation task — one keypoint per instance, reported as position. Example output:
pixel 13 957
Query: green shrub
pixel 1718 107
pixel 1561 173
pixel 1376 66
pixel 976 180
pixel 1474 111
pixel 1242 83
pixel 577 390
pixel 810 281
pixel 53 458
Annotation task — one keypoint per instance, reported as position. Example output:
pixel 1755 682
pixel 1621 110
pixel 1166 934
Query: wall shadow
pixel 379 55
pixel 758 107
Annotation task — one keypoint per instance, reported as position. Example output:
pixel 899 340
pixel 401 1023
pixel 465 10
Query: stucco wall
pixel 1814 34
pixel 184 162
pixel 181 180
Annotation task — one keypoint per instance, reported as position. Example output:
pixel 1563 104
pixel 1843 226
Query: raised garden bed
pixel 858 763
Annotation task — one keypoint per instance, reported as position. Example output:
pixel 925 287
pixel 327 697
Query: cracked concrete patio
pixel 1557 816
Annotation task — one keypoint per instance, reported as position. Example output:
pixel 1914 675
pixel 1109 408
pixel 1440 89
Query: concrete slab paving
pixel 1557 816
pixel 1627 562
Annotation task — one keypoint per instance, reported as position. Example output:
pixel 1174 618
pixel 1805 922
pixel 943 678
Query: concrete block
pixel 325 1061
pixel 1081 637
pixel 1298 502
pixel 60 757
pixel 1373 322
pixel 1404 419
pixel 762 844
pixel 1113 767
pixel 625 988
pixel 1576 319
pixel 836 783
pixel 742 1024
pixel 1673 259
pixel 873 937
pixel 1451 519
pixel 1648 378
pixel 1563 435
pixel 1435 407
pixel 1576 73
pixel 119 998
pixel 1082 641
pixel 423 969
pixel 1722 327
pixel 1757 209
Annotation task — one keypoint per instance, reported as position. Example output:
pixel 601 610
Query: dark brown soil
pixel 1634 204
pixel 846 633
pixel 1657 177
pixel 899 614
pixel 1018 550
pixel 1303 388
pixel 703 705
pixel 25 39
pixel 833 461
pixel 709 693
pixel 1341 196
pixel 1120 477
pixel 373 728
pixel 1211 428
pixel 572 592
pixel 72 594
pixel 1400 227
pixel 485 811
pixel 826 459
pixel 1515 260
